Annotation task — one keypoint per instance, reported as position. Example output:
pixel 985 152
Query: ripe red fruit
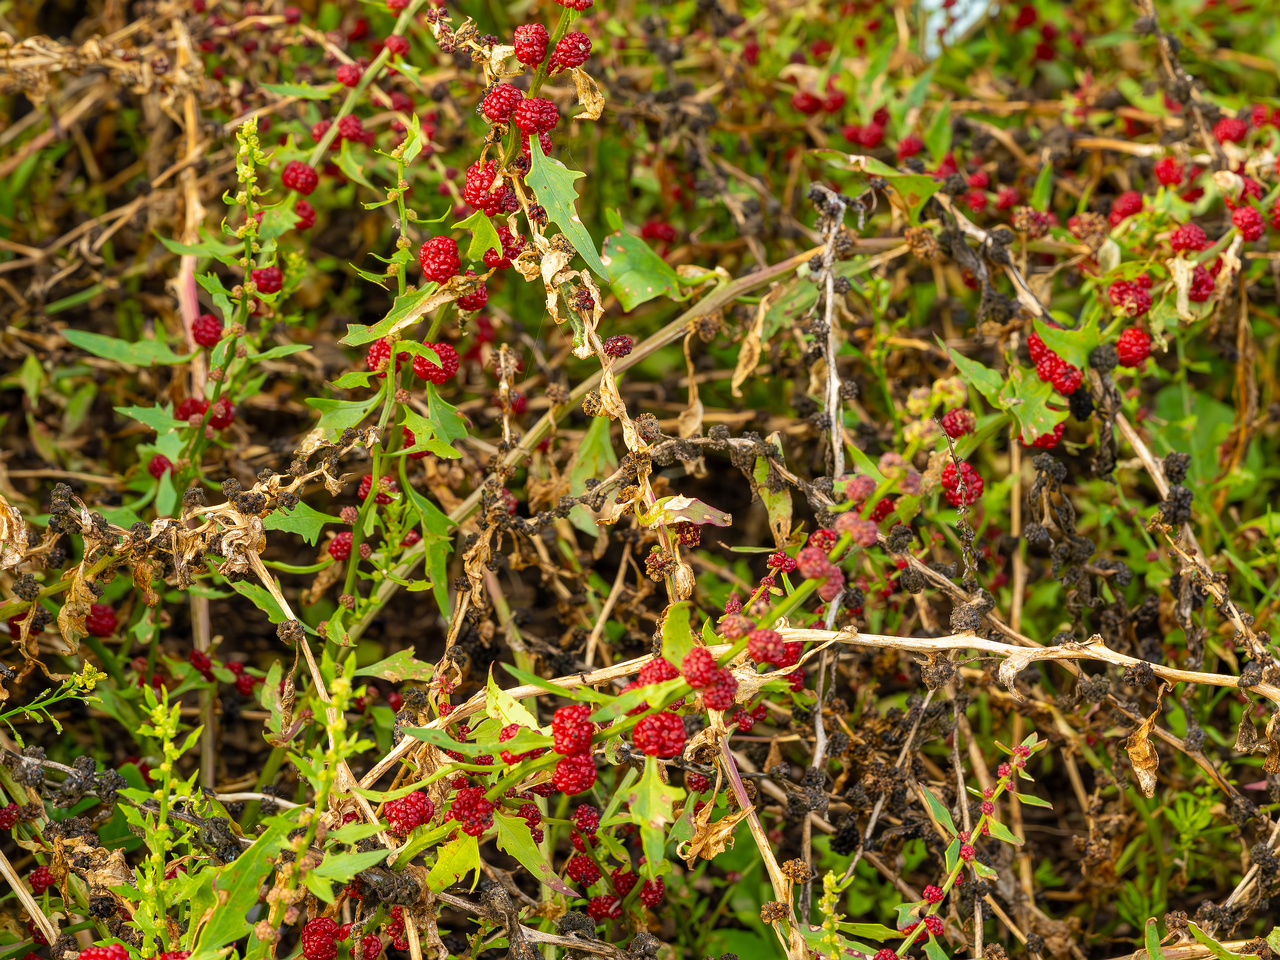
pixel 299 176
pixel 350 128
pixel 1190 237
pixel 606 906
pixel 536 115
pixel 439 259
pixel 500 102
pixel 1047 441
pixel 41 880
pixel 340 545
pixel 909 146
pixel 396 45
pixel 1231 130
pixel 720 695
pixel 1133 347
pixel 766 646
pixel 471 302
pixel 409 811
pixel 101 620
pixel 531 43
pixel 571 730
pixel 575 774
pixel 473 810
pixel 1202 284
pixel 385 489
pixel 268 279
pixel 958 422
pixel 657 671
pixel 699 668
pixel 812 563
pixel 581 869
pixel 578 5
pixel 933 894
pixel 933 923
pixel 1067 380
pixel 1130 297
pixel 806 102
pixel 618 346
pixel 1125 205
pixel 862 531
pixel 9 816
pixel 956 492
pixel 882 510
pixel 511 247
pixel 378 356
pixel 115 951
pixel 884 953
pixel 659 735
pixel 306 215
pixel 1007 197
pixel 159 465
pixel 437 373
pixel 1249 222
pixel 191 407
pixel 572 50
pixel 652 891
pixel 320 939
pixel 206 330
pixel 586 818
pixel 348 74
pixel 1168 171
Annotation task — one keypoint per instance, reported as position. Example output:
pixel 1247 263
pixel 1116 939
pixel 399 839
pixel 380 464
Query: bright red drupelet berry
pixel 824 539
pixel 319 129
pixel 473 810
pixel 299 176
pixel 884 953
pixel 511 247
pixel 606 906
pixel 222 414
pixel 115 951
pixel 1007 197
pixel 720 694
pixel 1125 205
pixel 1249 222
pixel 586 818
pixel 581 869
pixel 572 51
pixel 652 892
pixel 245 684
pixel 807 102
pixel 206 330
pixel 958 493
pixel 292 15
pixel 1202 284
pixel 371 945
pixel 734 626
pixel 191 407
pixel 618 346
pixel 319 939
pixel 159 465
pixel 744 720
pixel 571 729
pixel 1067 380
pixel 623 880
pixel 385 489
pixel 812 563
pixel 396 45
pixel 882 510
pixel 956 423
pixel 101 620
pixel 1049 367
pixel 408 812
pixel 657 670
pixel 439 259
pixel 351 127
pixel 306 214
pixel 909 146
pixel 500 102
pixel 659 735
pixel 536 115
pixel 699 668
pixel 471 302
pixel 41 880
pixel 1047 441
pixel 348 74
pixel 1231 130
pixel 933 894
pixel 1188 237
pixel 531 44
pixel 578 5
pixel 1168 171
pixel 1036 347
pixel 1133 347
pixel 437 373
pixel 268 279
pixel 933 923
pixel 862 531
pixel 9 816
pixel 575 774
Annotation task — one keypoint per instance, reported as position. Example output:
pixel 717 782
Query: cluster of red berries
pixel 768 646
pixel 319 939
pixel 1133 347
pixel 571 731
pixel 473 810
pixel 101 620
pixel 1132 297
pixel 1051 368
pixel 814 563
pixel 412 810
pixel 206 330
pixel 439 259
pixel 41 880
pixel 746 720
pixel 512 244
pixel 1047 441
pixel 387 488
pixel 659 734
pixel 245 682
pixel 510 759
pixel 9 816
pixel 193 409
pixel 963 486
pixel 718 684
pixel 604 907
pixel 159 465
pixel 956 423
pixel 582 869
pixel 115 951
pixel 618 346
pixel 202 663
pixel 863 532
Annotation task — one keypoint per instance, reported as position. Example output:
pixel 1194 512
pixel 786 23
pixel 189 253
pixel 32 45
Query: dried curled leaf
pixel 13 535
pixel 589 95
pixel 1142 752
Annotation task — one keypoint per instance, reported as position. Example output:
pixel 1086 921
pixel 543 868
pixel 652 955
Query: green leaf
pixel 208 247
pixel 1031 800
pixel 985 380
pixel 933 950
pixel 872 931
pixel 677 635
pixel 449 423
pixel 552 183
pixel 1026 396
pixel 400 666
pixel 350 166
pixel 342 867
pixel 636 273
pixel 914 191
pixel 1074 346
pixel 778 504
pixel 1217 949
pixel 483 235
pixel 940 814
pixel 226 896
pixel 31 376
pixel 276 222
pixel 302 91
pixel 305 521
pixel 982 870
pixel 595 457
pixel 516 839
pixel 143 353
pixel 651 802
pixel 441 739
pixel 261 598
pixel 1001 832
pixel 653 694
pixel 1151 937
pixel 938 137
pixel 159 419
pixel 952 856
pixel 340 414
pixel 499 703
pixel 437 539
pixel 424 436
pixel 454 860
pixel 1042 193
pixel 280 350
pixel 321 887
pixel 413 144
pixel 353 378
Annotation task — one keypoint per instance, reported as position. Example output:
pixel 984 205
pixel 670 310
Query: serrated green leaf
pixel 340 414
pixel 483 235
pixel 207 247
pixel 400 666
pixel 516 839
pixel 1026 397
pixel 982 378
pixel 424 436
pixel 938 137
pixel 442 740
pixel 305 521
pixel 552 183
pixel 437 537
pixel 636 273
pixel 454 860
pixel 342 867
pixel 353 378
pixel 413 142
pixel 276 222
pixel 1074 346
pixel 261 598
pixel 143 353
pixel 449 423
pixel 159 419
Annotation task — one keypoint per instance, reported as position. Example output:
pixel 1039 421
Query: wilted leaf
pixel 1142 752
pixel 552 182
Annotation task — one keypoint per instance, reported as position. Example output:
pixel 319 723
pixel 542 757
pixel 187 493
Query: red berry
pixel 471 302
pixel 433 372
pixel 652 891
pixel 909 146
pixel 578 5
pixel 159 465
pixel 659 735
pixel 884 953
pixel 862 531
pixel 933 894
pixel 1231 130
pixel 396 45
pixel 572 50
pixel 191 407
pixel 340 545
pixel 319 939
pixel 378 356
pixel 933 923
pixel 1049 367
pixel 299 176
pixel 779 561
pixel 1202 284
pixel 115 951
pixel 571 729
pixel 348 74
pixel 206 330
pixel 1190 237
pixel 623 880
pixel 1125 205
pixel 350 128
pixel 824 539
pixel 9 816
pixel 1133 347
pixel 473 810
pixel 1168 171
pixel 657 670
pixel 806 102
pixel 744 720
pixel 1036 347
pixel 511 247
pixel 531 43
pixel 812 563
pixel 306 214
pixel 394 700
pixel 720 694
pixel 575 774
pixel 1249 222
pixel 1067 380
pixel 1007 197
pixel 882 510
pixel 409 811
pixel 439 259
pixel 587 818
pixel 500 102
pixel 1047 441
pixel 268 279
pixel 101 620
pixel 245 684
pixel 967 852
pixel 581 869
pixel 695 781
pixel 536 115
pixel 699 668
pixel 958 422
pixel 385 489
pixel 957 492
pixel 618 346
pixel 41 880
pixel 605 906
